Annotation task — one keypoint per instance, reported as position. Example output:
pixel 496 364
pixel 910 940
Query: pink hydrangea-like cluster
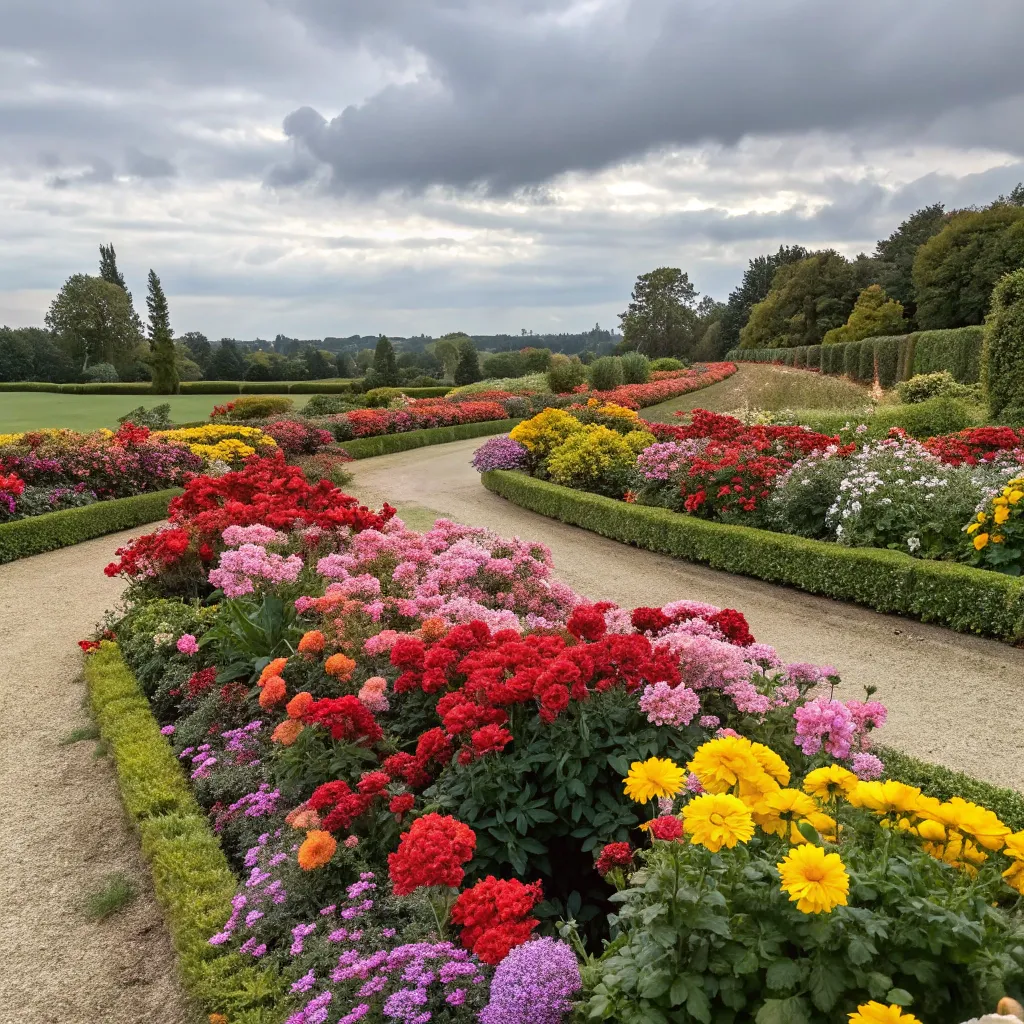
pixel 667 705
pixel 248 568
pixel 825 723
pixel 236 536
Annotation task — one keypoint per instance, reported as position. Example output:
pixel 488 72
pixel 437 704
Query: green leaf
pixel 899 996
pixel 827 983
pixel 654 985
pixel 698 1006
pixel 809 832
pixel 784 974
pixel 860 950
pixel 677 994
pixel 783 1011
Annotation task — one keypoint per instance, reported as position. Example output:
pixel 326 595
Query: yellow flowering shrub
pixel 996 534
pixel 596 458
pixel 545 431
pixel 219 442
pixel 6 439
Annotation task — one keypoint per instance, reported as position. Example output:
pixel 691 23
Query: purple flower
pixel 500 452
pixel 867 767
pixel 167 730
pixel 533 985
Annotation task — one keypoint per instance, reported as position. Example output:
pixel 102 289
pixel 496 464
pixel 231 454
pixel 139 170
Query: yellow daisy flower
pixel 655 777
pixel 815 881
pixel 714 820
pixel 877 1013
pixel 830 783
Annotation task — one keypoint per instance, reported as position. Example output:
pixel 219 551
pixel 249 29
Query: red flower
pixel 668 828
pixel 347 717
pixel 587 623
pixel 491 738
pixel 494 915
pixel 88 646
pixel 373 783
pixel 733 626
pixel 401 804
pixel 432 852
pixel 337 805
pixel 614 855
pixel 407 768
pixel 650 620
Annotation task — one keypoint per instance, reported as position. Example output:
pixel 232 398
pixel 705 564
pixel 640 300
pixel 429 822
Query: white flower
pixel 913 544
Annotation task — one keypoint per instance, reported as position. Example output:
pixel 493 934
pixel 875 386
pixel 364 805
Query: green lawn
pixel 34 410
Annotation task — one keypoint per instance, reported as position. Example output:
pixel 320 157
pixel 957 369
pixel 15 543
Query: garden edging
pixel 192 879
pixel 962 598
pixel 389 444
pixel 36 534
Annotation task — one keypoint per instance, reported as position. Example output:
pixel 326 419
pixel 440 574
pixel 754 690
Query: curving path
pixel 62 829
pixel 952 698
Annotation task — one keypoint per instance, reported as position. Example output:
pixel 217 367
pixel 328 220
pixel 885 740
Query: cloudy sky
pixel 338 166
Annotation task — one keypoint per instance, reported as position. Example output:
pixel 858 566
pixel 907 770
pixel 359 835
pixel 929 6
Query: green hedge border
pixel 965 599
pixel 191 876
pixel 389 444
pixel 52 530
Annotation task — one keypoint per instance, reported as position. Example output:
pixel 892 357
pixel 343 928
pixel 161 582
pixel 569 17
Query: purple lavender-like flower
pixel 533 985
pixel 500 452
pixel 867 767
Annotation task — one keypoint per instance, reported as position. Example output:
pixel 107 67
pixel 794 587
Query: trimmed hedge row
pixel 218 387
pixel 191 876
pixel 24 537
pixel 945 783
pixel 965 599
pixel 898 357
pixel 388 444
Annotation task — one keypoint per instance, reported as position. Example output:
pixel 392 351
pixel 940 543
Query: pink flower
pixel 867 767
pixel 824 723
pixel 667 705
pixel 187 644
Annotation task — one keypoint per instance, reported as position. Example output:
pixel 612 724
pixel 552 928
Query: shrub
pixel 545 432
pixel 252 407
pixel 1004 346
pixel 931 385
pixel 388 444
pixel 605 373
pixel 887 356
pixel 851 359
pixel 805 493
pixel 101 373
pixel 565 374
pixel 667 363
pixel 928 419
pixel 157 418
pixel 329 405
pixel 597 459
pixel 636 368
pixel 957 350
pixel 501 453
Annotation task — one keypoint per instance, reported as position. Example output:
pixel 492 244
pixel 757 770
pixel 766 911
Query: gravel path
pixel 62 828
pixel 950 696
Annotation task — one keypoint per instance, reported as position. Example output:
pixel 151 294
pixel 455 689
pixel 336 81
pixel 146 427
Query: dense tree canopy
pixel 661 319
pixel 894 256
pixel 468 369
pixel 161 339
pixel 874 316
pixel 755 286
pixel 955 271
pixel 227 361
pixel 385 366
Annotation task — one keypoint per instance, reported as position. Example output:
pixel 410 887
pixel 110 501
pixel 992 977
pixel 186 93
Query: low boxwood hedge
pixel 24 537
pixel 388 444
pixel 191 876
pixel 966 599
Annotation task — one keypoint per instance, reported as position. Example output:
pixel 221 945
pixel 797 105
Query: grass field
pixel 34 410
pixel 761 386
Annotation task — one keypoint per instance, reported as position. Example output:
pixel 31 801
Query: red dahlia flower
pixel 432 852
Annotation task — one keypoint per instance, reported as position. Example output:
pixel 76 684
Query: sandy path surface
pixel 950 696
pixel 62 828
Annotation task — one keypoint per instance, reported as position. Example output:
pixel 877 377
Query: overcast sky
pixel 325 167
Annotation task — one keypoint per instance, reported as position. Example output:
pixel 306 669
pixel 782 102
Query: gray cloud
pixel 509 100
pixel 143 165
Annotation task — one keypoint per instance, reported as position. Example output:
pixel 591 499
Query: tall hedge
pixel 1003 356
pixel 957 350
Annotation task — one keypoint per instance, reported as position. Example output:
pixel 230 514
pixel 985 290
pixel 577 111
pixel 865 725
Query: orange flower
pixel 433 629
pixel 339 665
pixel 311 642
pixel 218 1018
pixel 316 850
pixel 302 817
pixel 275 668
pixel 299 704
pixel 274 691
pixel 287 732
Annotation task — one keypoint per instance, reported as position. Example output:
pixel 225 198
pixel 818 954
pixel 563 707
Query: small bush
pixel 565 374
pixel 597 459
pixel 605 373
pixel 667 363
pixel 253 407
pixel 636 368
pixel 329 405
pixel 927 419
pixel 157 418
pixel 101 373
pixel 932 385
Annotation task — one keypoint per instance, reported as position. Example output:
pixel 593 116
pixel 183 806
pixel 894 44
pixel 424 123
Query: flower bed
pixel 421 752
pixel 51 470
pixel 952 497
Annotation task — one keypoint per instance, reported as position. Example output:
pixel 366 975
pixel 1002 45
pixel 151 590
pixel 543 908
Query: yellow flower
pixel 973 528
pixel 771 763
pixel 980 541
pixel 1014 496
pixel 722 763
pixel 876 1013
pixel 778 810
pixel 830 783
pixel 655 777
pixel 969 819
pixel 714 820
pixel 824 825
pixel 815 881
pixel 885 797
pixel 1014 876
pixel 982 518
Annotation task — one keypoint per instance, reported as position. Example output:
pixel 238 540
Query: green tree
pixel 319 365
pixel 344 365
pixel 385 366
pixel 161 339
pixel 807 299
pixel 468 369
pixel 109 271
pixel 874 315
pixel 660 319
pixel 94 321
pixel 755 286
pixel 227 361
pixel 955 271
pixel 199 348
pixel 894 256
pixel 1002 356
pixel 447 350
